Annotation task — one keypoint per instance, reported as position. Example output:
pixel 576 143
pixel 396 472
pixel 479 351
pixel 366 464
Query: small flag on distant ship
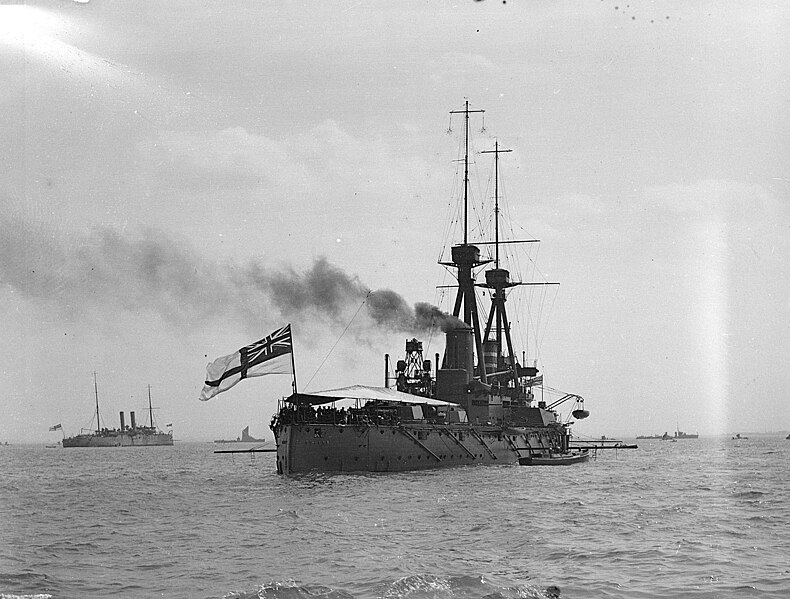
pixel 270 355
pixel 57 427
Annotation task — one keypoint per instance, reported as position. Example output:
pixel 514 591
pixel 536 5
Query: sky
pixel 180 179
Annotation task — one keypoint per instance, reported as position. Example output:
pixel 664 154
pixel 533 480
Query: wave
pixel 421 586
pixel 27 580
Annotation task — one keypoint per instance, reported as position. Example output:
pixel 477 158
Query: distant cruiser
pixel 125 436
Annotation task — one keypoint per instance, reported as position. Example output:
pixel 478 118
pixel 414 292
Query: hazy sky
pixel 179 179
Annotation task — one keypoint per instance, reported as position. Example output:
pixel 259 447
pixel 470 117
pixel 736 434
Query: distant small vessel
pixel 126 436
pixel 245 438
pixel 658 436
pixel 787 437
pixel 738 437
pixel 679 435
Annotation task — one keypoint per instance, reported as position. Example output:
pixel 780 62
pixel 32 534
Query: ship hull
pixel 397 448
pixel 119 440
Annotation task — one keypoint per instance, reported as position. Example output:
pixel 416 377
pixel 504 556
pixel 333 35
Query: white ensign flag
pixel 270 355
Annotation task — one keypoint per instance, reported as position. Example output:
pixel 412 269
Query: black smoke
pixel 148 271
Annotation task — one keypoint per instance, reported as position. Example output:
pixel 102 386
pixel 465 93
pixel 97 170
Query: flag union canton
pixel 276 344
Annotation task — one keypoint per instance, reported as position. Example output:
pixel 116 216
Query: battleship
pixel 131 435
pixel 245 438
pixel 480 405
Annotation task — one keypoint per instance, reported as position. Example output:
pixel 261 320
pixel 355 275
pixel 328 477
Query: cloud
pixel 229 158
pixel 450 68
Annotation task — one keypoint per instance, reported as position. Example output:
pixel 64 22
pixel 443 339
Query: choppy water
pixel 706 518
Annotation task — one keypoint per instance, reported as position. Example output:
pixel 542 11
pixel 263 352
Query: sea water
pixel 694 518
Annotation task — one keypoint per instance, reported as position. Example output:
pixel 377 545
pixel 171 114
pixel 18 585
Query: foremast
pixel 466 257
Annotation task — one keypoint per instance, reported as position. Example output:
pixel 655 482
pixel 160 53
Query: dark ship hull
pixel 305 445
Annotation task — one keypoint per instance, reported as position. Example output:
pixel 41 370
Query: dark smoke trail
pixel 147 271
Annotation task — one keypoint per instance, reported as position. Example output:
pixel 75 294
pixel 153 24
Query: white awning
pixel 365 392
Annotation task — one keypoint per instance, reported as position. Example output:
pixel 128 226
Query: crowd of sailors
pixel 376 414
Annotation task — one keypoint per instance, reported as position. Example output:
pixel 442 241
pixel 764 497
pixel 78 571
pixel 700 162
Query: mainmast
pixel 498 279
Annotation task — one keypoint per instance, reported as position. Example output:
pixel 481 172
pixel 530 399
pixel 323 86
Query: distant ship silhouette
pixel 245 438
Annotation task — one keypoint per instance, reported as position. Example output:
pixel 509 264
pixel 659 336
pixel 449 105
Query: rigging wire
pixel 532 308
pixel 321 365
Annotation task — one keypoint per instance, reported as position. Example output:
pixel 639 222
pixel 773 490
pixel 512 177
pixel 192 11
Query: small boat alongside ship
pixel 478 406
pixel 131 435
pixel 556 460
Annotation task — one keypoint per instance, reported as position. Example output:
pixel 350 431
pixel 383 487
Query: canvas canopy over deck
pixel 364 393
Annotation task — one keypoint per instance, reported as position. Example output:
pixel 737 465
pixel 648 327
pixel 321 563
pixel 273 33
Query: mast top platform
pixel 497 277
pixel 465 254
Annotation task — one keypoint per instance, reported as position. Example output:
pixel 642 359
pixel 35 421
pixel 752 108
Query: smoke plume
pixel 149 271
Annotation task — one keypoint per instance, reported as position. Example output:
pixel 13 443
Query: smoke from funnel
pixel 148 271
